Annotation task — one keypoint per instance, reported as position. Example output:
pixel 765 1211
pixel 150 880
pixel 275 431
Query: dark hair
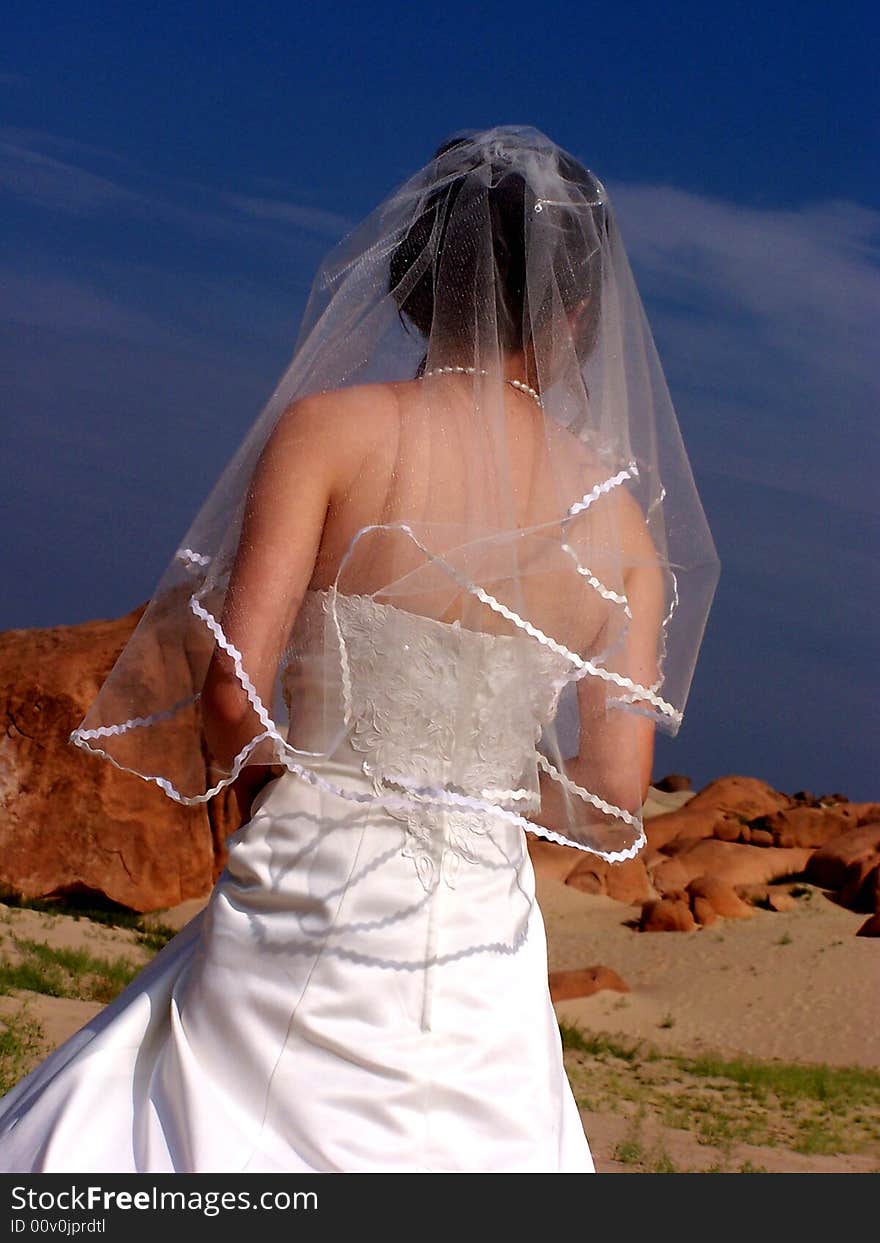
pixel 576 258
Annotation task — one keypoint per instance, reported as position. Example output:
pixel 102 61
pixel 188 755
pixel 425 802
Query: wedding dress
pixel 475 423
pixel 366 989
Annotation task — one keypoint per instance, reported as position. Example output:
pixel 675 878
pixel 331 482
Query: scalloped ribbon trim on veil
pixel 489 800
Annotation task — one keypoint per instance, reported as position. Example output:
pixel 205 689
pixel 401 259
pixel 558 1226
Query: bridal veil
pixel 522 476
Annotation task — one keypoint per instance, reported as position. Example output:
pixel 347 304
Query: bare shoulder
pixel 617 502
pixel 361 410
pixel 338 427
pixel 637 544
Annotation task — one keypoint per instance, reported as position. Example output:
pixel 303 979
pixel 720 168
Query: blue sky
pixel 171 175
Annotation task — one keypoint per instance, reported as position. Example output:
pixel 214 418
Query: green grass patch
pixel 21 1043
pixel 152 935
pixel 83 906
pixel 849 1085
pixel 155 937
pixel 661 1162
pixel 66 972
pixel 723 1102
pixel 576 1039
pixel 36 967
pixel 629 1152
pixel 33 976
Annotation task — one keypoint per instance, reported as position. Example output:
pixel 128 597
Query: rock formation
pixel 583 982
pixel 71 823
pixel 734 844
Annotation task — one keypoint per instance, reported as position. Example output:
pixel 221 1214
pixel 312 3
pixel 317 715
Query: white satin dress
pixel 352 998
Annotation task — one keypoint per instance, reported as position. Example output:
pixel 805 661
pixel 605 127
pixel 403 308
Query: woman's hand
pixel 248 784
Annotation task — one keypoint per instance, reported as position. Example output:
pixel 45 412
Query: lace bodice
pixel 429 703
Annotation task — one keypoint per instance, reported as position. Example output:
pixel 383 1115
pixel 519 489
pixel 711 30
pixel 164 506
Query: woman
pixel 473 428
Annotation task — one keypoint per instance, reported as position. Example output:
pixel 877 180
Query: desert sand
pixel 796 985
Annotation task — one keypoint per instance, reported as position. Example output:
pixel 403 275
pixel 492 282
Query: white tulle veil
pixel 476 363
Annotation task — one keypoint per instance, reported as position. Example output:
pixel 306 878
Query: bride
pixel 453 580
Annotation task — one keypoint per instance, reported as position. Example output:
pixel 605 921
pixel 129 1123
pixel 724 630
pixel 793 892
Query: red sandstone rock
pixel 683 842
pixel 746 795
pixel 551 859
pixel 757 895
pixel 720 809
pixel 70 822
pixel 780 901
pixel 760 837
pixel 735 863
pixel 829 866
pixel 564 985
pixel 629 881
pixel 803 825
pixel 703 912
pixel 666 915
pixel 588 879
pixel 678 895
pixel 672 783
pixel 667 827
pixel 669 875
pixel 870 928
pixel 861 883
pixel 772 897
pixel 625 882
pixel 651 857
pixel 865 813
pixel 721 896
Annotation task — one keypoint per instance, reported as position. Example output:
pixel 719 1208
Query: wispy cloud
pixel 768 319
pixel 752 302
pixel 313 219
pixel 765 316
pixel 43 140
pixel 53 172
pixel 73 307
pixel 815 268
pixel 48 182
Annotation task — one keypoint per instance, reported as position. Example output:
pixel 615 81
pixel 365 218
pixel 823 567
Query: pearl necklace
pixel 524 388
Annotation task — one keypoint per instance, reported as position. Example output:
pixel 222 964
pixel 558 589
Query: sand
pixel 796 985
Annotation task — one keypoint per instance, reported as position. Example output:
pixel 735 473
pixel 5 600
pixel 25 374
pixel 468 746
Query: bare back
pixel 398 457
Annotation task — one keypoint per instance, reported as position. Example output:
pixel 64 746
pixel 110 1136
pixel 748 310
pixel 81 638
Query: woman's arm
pixel 616 754
pixel 286 506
